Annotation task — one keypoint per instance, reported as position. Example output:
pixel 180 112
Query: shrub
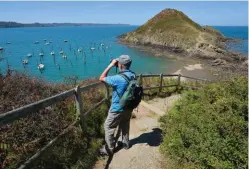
pixel 208 128
pixel 76 150
pixel 24 137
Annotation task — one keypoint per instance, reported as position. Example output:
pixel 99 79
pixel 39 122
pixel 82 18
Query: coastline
pixel 11 24
pixel 202 67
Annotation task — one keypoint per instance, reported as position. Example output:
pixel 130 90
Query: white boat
pixel 64 56
pixel 36 42
pixel 41 54
pixel 79 50
pixel 61 52
pixel 41 66
pixel 29 55
pixel 8 43
pixel 25 61
pixel 102 44
pixel 52 53
pixel 1 48
pixel 92 48
pixel 65 40
pixel 47 43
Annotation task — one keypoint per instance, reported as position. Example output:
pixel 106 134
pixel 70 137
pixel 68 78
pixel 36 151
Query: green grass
pixel 208 128
pixel 170 19
pixel 211 30
pixel 170 28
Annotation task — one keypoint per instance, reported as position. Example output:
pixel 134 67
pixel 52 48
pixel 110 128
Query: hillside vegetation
pixel 174 30
pixel 208 128
pixel 23 138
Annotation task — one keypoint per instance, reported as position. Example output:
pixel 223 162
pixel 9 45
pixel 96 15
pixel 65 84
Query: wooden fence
pixel 24 111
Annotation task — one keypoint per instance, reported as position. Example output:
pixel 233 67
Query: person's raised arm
pixel 104 74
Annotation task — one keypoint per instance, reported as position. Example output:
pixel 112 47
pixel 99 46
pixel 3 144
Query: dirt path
pixel 145 138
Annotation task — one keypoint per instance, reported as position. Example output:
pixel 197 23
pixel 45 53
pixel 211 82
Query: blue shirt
pixel 119 85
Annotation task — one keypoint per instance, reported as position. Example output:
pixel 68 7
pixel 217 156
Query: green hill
pixel 173 29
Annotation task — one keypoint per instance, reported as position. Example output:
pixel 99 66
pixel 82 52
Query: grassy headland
pixel 171 31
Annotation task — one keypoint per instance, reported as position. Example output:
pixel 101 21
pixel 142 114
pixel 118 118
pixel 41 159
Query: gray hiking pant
pixel 113 120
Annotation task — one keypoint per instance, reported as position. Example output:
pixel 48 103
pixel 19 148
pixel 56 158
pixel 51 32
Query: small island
pixel 172 31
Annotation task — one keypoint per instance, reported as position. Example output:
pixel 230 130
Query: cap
pixel 124 59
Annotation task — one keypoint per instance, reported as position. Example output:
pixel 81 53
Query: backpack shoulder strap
pixel 125 77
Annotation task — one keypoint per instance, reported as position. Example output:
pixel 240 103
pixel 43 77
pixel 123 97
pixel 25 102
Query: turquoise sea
pixel 87 63
pixel 236 32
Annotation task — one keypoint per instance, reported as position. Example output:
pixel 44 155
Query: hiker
pixel 117 115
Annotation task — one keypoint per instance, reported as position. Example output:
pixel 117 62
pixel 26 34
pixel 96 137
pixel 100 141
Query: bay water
pixel 76 43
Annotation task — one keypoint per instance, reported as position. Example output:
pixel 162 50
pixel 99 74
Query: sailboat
pixel 41 66
pixel 25 61
pixel 29 55
pixel 64 56
pixel 52 53
pixel 79 50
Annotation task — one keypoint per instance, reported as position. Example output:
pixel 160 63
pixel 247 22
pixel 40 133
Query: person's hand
pixel 114 62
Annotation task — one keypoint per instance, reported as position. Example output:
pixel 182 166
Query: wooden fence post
pixel 79 107
pixel 161 82
pixel 107 94
pixel 141 79
pixel 179 81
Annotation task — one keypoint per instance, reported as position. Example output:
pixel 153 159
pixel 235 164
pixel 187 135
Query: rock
pixel 245 63
pixel 218 62
pixel 218 50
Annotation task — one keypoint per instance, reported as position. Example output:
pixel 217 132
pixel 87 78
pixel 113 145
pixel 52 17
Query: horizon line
pixel 98 23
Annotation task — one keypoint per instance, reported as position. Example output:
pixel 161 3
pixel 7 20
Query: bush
pixel 75 149
pixel 208 128
pixel 24 137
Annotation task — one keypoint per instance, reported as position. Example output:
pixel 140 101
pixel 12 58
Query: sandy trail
pixel 145 138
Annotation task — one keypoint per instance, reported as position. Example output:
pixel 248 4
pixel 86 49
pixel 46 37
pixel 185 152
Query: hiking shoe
pixel 123 145
pixel 103 152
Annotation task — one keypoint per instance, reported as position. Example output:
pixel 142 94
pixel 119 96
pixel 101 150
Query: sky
pixel 135 13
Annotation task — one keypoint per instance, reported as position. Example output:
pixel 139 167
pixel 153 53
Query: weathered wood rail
pixel 24 111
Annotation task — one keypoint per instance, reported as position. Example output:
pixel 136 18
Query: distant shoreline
pixel 20 25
